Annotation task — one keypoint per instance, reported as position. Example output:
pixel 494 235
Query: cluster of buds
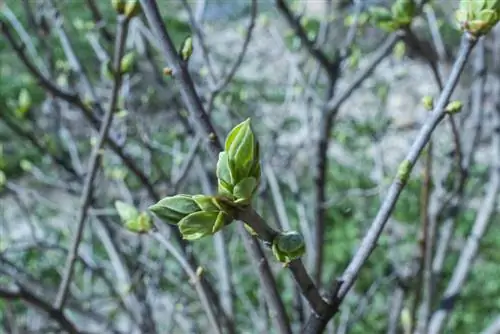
pixel 478 17
pixel 238 168
pixel 197 216
pixel 238 173
pixel 399 16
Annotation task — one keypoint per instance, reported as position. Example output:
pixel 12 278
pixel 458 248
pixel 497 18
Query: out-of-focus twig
pixel 94 164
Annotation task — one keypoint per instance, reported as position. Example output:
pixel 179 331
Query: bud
pixel 454 107
pixel 118 5
pixel 406 320
pixel 3 179
pixel 382 18
pixel 243 152
pixel 24 102
pixel 403 11
pixel 478 17
pixel 428 102
pixel 127 62
pixel 132 8
pixel 288 246
pixel 107 69
pixel 172 209
pixel 200 224
pixel 187 48
pixel 132 219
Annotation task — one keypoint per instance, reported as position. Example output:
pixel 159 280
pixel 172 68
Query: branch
pixel 331 109
pixel 30 298
pixel 329 66
pixel 181 73
pixel 267 281
pixel 94 164
pixel 317 324
pixel 302 278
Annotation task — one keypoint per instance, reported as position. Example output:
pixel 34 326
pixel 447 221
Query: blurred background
pixel 322 166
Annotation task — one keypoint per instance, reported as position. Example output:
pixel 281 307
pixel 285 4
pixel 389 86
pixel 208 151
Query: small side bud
pixel 187 48
pixel 288 246
pixel 454 107
pixel 127 62
pixel 131 218
pixel 24 102
pixel 428 102
pixel 132 8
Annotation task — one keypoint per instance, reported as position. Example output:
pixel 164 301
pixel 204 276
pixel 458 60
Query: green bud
pixel 127 62
pixel 24 102
pixel 118 5
pixel 478 17
pixel 454 107
pixel 244 190
pixel 174 208
pixel 140 225
pixel 126 211
pixel 428 102
pixel 107 70
pixel 3 179
pixel 200 224
pixel 243 151
pixel 403 11
pixel 288 246
pixel 132 8
pixel 132 219
pixel 382 18
pixel 187 48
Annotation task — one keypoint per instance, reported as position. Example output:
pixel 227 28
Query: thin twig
pixel 194 279
pixel 327 64
pixel 94 164
pixel 30 298
pixel 268 281
pixel 331 109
